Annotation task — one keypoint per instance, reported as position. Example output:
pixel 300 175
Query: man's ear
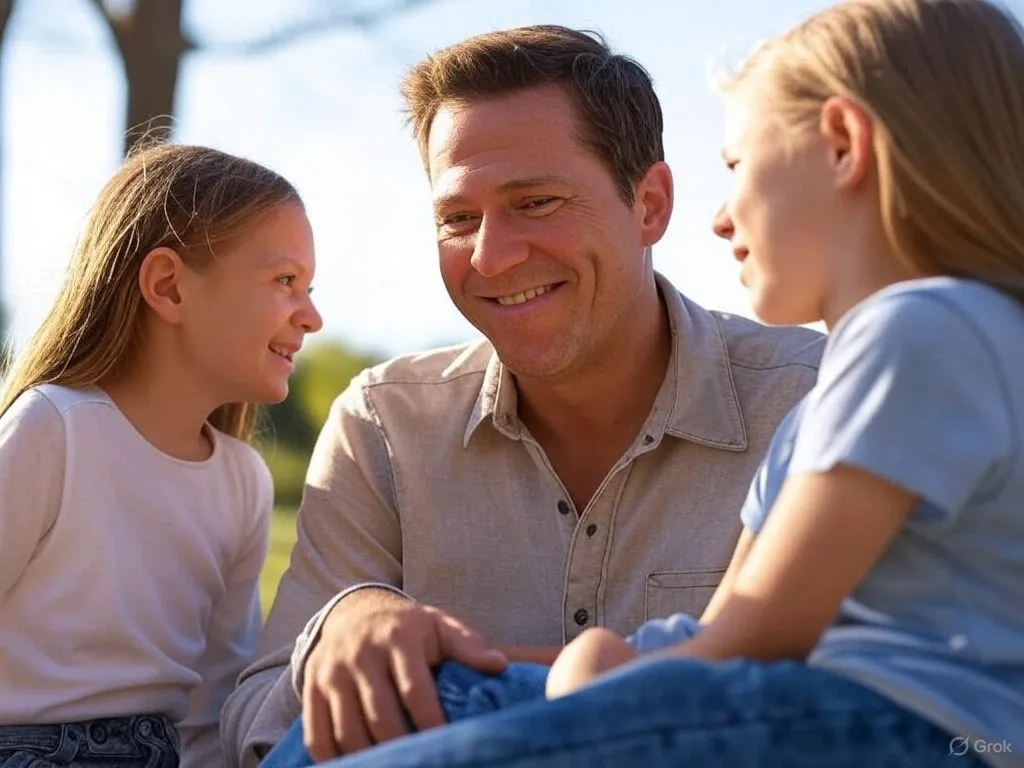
pixel 848 133
pixel 654 198
pixel 160 278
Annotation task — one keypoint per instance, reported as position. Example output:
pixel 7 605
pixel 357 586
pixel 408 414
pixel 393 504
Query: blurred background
pixel 310 88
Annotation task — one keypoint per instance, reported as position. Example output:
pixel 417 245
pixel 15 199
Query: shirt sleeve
pixel 348 535
pixel 32 451
pixel 233 632
pixel 910 391
pixel 771 473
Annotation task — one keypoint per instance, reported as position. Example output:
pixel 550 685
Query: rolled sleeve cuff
pixel 311 633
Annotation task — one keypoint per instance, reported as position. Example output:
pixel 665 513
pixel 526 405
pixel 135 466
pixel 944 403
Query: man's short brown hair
pixel 619 116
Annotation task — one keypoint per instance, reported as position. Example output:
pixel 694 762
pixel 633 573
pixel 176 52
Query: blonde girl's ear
pixel 160 277
pixel 848 132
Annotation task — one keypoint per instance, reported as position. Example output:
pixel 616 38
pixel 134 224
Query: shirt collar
pixel 697 401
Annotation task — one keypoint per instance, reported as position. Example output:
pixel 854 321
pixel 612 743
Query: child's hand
pixel 585 659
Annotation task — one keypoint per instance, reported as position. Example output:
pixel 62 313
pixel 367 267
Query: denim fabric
pixel 659 713
pixel 466 693
pixel 143 741
pixel 463 692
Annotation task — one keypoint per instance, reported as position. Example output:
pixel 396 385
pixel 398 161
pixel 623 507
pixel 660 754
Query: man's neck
pixel 607 400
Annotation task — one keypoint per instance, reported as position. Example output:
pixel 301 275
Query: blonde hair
pixel 188 198
pixel 943 81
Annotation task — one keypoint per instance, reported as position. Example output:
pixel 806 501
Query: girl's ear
pixel 848 130
pixel 160 277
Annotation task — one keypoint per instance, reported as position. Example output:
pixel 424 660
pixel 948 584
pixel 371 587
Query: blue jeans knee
pixel 462 691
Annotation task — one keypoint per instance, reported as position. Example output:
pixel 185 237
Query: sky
pixel 325 112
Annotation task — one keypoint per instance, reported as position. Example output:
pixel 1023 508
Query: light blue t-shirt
pixel 923 384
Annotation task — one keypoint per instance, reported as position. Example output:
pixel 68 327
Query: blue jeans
pixel 660 712
pixel 142 741
pixel 464 693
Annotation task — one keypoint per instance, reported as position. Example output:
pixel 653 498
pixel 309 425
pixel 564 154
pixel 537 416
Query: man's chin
pixel 534 364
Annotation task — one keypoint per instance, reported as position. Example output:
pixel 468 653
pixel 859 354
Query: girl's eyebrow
pixel 283 260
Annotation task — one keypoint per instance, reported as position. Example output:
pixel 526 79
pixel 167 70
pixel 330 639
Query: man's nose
pixel 498 248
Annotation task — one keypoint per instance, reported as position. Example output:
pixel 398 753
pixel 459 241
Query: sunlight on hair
pixel 730 59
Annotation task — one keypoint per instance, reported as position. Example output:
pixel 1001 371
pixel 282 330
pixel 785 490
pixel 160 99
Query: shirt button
pixel 581 616
pixel 591 529
pixel 648 439
pixel 563 507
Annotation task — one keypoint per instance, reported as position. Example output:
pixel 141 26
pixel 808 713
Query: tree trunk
pixel 6 7
pixel 152 47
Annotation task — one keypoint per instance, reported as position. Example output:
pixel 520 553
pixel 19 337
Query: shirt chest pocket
pixel 669 592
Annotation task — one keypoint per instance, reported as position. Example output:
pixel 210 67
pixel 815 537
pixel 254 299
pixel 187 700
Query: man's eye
pixel 541 205
pixel 458 222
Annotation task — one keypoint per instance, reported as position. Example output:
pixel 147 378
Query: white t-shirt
pixel 128 578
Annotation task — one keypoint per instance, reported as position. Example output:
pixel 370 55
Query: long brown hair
pixel 188 198
pixel 943 81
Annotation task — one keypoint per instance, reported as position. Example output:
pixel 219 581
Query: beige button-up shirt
pixel 425 479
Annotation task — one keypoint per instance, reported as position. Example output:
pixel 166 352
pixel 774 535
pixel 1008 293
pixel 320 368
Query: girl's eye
pixel 286 280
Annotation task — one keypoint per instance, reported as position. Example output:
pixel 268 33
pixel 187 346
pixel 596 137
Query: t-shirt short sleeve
pixel 772 473
pixel 910 391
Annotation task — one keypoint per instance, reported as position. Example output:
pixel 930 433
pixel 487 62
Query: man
pixel 583 466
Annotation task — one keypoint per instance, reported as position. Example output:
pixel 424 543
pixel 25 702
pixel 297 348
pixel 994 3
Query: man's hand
pixel 586 658
pixel 373 664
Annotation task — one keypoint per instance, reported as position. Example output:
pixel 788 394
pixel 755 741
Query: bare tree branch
pixel 365 19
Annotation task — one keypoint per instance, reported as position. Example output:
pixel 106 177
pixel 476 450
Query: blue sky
pixel 325 112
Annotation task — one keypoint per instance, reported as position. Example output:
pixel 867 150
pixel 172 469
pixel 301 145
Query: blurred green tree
pixel 290 430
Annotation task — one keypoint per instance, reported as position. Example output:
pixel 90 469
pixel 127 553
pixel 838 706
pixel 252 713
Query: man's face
pixel 537 248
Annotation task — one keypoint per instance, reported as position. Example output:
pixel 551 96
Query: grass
pixel 282 538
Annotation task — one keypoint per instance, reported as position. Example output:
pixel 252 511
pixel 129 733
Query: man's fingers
pixel 382 709
pixel 317 726
pixel 459 642
pixel 348 726
pixel 415 685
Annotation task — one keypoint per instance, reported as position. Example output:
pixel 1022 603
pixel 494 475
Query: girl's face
pixel 786 214
pixel 249 311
